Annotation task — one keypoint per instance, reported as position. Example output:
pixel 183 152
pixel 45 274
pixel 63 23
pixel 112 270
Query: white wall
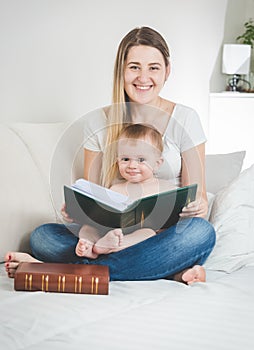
pixel 57 56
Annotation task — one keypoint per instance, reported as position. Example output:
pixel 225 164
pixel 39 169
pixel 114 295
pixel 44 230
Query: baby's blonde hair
pixel 142 131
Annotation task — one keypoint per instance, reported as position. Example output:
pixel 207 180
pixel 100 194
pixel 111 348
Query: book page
pixel 101 193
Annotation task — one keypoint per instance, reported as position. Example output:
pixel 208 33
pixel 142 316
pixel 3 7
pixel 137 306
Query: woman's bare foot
pixel 85 248
pixel 109 243
pixel 195 274
pixel 13 259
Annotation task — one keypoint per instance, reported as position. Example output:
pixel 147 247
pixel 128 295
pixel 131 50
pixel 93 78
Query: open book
pixel 89 203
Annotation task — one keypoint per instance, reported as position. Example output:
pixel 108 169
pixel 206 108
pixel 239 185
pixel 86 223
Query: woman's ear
pixel 168 69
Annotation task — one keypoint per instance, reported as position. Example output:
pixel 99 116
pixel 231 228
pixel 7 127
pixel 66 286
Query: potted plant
pixel 248 38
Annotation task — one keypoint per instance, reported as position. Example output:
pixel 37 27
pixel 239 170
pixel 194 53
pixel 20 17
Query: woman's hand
pixel 198 208
pixel 65 215
pixel 193 171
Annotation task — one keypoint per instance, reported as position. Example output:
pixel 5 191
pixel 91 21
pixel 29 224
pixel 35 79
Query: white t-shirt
pixel 184 131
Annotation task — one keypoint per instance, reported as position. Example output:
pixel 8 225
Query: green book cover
pixel 88 203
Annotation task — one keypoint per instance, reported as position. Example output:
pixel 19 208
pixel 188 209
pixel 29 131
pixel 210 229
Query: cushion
pixel 25 201
pixel 232 215
pixel 221 169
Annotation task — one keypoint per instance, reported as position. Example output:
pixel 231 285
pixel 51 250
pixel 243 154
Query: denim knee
pixel 37 239
pixel 208 233
pixel 206 237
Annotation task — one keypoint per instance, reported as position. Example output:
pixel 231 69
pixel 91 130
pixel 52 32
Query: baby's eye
pixel 141 160
pixel 125 159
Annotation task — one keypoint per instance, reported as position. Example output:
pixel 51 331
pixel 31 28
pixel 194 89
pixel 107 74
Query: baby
pixel 139 155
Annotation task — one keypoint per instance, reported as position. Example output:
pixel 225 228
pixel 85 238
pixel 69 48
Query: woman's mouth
pixel 142 87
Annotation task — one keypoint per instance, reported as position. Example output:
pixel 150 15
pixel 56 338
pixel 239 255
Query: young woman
pixel 141 68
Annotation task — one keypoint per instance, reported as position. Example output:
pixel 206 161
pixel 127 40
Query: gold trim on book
pixel 63 282
pixel 80 284
pixel 42 282
pixel 59 284
pixel 47 283
pixel 92 285
pixel 96 285
pixel 30 280
pixel 26 280
pixel 75 284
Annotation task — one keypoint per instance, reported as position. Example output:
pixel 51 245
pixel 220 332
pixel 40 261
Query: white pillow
pixel 221 169
pixel 25 201
pixel 210 197
pixel 232 216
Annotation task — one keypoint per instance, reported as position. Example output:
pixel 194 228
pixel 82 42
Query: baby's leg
pixel 84 248
pixel 114 240
pixel 137 237
pixel 88 235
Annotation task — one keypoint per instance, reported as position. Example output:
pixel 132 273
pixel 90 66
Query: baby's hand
pixel 65 215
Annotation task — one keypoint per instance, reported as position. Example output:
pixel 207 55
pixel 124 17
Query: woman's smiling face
pixel 145 73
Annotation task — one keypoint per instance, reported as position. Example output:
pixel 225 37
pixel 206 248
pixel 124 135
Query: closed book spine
pixel 62 278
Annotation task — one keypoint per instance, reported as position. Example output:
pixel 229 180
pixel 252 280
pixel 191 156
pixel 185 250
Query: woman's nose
pixel 143 75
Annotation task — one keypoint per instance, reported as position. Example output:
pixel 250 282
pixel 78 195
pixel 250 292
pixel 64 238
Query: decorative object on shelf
pixel 236 62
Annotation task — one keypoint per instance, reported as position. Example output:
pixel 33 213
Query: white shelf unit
pixel 231 124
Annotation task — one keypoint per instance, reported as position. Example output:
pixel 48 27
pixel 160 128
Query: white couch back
pixel 38 159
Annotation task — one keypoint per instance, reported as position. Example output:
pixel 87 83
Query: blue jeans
pixel 181 246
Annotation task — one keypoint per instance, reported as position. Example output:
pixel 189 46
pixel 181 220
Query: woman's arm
pixel 92 165
pixel 193 171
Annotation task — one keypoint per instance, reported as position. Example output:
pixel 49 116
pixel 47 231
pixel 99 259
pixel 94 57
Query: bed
pixel 158 314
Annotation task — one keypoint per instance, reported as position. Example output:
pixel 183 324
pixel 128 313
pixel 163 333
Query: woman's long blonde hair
pixel 119 112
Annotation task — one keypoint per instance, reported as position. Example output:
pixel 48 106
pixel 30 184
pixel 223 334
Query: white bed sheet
pixel 155 315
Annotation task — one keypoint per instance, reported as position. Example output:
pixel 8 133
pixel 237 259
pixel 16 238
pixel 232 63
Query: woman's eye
pixel 154 68
pixel 134 67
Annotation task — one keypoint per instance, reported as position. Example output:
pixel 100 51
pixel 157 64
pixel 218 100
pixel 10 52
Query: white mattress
pixel 155 315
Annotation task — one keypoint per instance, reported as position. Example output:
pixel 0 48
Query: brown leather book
pixel 62 278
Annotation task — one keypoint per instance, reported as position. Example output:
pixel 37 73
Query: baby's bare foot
pixel 195 274
pixel 84 248
pixel 13 259
pixel 109 243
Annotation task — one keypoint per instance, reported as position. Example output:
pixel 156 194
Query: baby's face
pixel 137 159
